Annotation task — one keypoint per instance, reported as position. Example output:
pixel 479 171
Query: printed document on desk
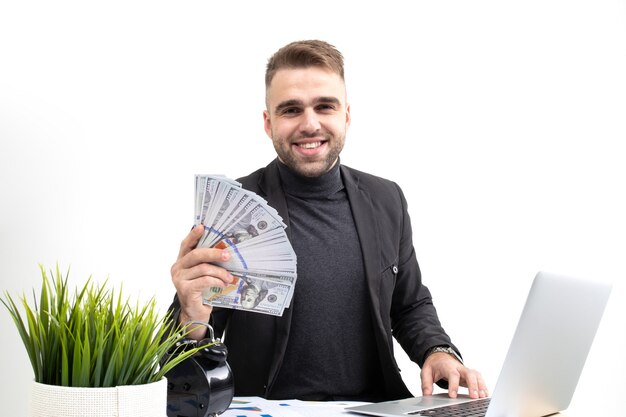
pixel 260 407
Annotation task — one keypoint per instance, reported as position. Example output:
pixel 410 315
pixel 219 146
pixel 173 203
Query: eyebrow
pixel 294 102
pixel 287 103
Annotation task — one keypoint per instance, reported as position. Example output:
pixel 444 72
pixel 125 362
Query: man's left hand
pixel 441 365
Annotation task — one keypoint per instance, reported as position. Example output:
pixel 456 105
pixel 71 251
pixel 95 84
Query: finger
pixel 190 242
pixel 483 391
pixel 202 255
pixel 191 283
pixel 427 380
pixel 453 383
pixel 469 377
pixel 475 383
pixel 205 275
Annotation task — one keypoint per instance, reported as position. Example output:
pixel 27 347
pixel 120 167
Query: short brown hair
pixel 304 54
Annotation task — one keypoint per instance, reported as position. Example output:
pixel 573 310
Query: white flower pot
pixel 149 400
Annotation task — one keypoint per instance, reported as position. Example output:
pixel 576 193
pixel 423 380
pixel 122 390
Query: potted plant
pixel 93 352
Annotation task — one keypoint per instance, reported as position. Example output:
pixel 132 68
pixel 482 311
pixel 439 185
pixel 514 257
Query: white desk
pixel 259 407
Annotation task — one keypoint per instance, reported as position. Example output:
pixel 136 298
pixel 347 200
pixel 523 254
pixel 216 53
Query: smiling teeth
pixel 311 145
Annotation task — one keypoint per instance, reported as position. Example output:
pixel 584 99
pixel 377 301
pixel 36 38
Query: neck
pixel 295 184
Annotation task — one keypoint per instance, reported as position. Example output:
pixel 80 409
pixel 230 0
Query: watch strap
pixel 444 349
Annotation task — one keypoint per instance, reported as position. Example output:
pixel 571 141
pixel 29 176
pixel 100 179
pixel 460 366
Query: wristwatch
pixel 444 349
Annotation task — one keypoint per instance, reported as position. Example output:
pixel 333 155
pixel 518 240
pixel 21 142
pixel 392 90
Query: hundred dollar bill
pixel 290 280
pixel 251 294
pixel 263 264
pixel 224 198
pixel 209 199
pixel 227 196
pixel 232 213
pixel 278 257
pixel 239 201
pixel 201 181
pixel 258 214
pixel 256 220
pixel 207 187
pixel 277 247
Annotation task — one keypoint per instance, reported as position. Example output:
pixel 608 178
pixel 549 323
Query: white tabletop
pixel 259 407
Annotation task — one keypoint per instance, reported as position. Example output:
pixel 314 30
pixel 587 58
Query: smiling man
pixel 359 282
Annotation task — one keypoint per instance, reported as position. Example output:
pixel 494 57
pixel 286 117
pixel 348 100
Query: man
pixel 358 277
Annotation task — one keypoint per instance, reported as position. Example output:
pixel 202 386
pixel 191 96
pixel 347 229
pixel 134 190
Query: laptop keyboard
pixel 476 408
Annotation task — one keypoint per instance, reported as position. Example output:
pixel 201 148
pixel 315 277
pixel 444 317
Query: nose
pixel 310 122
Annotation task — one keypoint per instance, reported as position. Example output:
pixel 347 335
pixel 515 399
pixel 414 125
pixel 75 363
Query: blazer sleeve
pixel 414 320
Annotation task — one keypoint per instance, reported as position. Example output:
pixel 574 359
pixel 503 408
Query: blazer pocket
pixel 390 271
pixel 387 284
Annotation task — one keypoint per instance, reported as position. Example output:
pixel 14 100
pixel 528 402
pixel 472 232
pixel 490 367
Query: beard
pixel 308 167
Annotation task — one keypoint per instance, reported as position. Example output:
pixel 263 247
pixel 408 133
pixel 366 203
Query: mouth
pixel 311 148
pixel 310 145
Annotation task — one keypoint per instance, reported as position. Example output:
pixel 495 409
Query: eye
pixel 290 111
pixel 325 107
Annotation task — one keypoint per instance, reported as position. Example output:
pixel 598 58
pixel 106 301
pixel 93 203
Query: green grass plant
pixel 93 336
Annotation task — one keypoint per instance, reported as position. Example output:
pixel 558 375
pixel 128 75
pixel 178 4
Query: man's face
pixel 307 118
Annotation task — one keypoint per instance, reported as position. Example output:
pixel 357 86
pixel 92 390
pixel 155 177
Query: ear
pixel 348 117
pixel 267 123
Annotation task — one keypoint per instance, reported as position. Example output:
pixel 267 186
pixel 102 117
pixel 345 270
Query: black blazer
pixel 401 305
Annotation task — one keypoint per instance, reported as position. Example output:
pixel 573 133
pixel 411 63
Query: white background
pixel 503 122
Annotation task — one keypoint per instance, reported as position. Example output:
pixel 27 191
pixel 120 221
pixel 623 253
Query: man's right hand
pixel 192 273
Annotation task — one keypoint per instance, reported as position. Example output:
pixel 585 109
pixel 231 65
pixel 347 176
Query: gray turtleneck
pixel 331 352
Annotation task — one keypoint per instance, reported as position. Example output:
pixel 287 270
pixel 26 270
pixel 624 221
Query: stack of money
pixel 262 260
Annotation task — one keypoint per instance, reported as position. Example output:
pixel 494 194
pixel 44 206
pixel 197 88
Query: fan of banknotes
pixel 261 257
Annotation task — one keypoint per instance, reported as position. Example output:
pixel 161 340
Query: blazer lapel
pixel 367 229
pixel 369 232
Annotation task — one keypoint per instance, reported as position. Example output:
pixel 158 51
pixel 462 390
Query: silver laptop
pixel 544 361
